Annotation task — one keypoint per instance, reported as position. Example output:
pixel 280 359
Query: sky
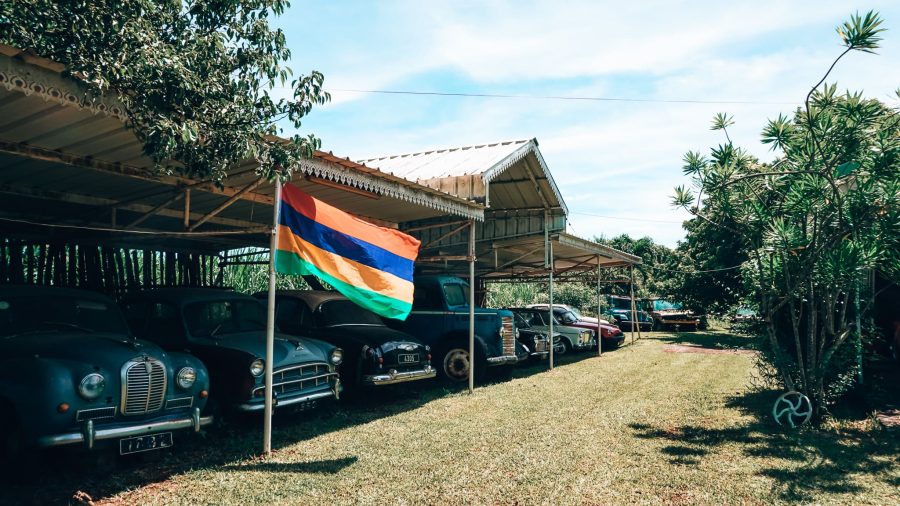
pixel 616 163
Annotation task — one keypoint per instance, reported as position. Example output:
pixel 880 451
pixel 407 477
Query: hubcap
pixel 456 364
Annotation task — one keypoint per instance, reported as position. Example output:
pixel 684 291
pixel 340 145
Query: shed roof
pixel 68 160
pixel 503 175
pixel 522 258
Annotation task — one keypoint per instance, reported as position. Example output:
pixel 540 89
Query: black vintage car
pixel 227 331
pixel 72 374
pixel 375 354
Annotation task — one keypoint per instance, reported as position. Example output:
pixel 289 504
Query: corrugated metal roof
pixel 440 163
pixel 68 159
pixel 503 175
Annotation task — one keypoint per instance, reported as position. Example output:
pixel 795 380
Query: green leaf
pixel 845 169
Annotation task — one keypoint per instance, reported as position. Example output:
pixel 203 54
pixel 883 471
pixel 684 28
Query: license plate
pixel 408 358
pixel 145 443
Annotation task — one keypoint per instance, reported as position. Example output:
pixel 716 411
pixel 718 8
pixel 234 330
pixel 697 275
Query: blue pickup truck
pixel 440 319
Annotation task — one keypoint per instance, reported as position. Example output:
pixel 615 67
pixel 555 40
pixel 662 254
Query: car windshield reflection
pixel 223 317
pixel 31 315
pixel 345 312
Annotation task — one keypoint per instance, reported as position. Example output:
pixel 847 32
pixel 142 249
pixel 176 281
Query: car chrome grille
pixel 300 377
pixel 184 402
pixel 144 387
pixel 508 334
pixel 95 414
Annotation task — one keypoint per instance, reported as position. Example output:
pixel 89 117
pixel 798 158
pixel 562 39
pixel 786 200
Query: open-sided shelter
pixel 79 199
pixel 524 234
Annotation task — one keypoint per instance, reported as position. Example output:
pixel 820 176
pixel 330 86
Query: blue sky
pixel 616 163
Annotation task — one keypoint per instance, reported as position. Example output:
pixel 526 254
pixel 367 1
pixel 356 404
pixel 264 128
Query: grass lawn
pixel 642 425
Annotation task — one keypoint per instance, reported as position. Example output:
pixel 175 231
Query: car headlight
pixel 92 386
pixel 337 356
pixel 257 367
pixel 186 377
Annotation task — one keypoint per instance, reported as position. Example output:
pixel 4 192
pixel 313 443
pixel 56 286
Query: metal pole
pixel 633 306
pixel 599 343
pixel 471 306
pixel 550 312
pixel 270 324
pixel 637 310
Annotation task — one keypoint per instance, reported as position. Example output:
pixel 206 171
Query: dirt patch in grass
pixel 695 348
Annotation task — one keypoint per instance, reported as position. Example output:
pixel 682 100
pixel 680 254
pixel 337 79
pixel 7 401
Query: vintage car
pixel 227 331
pixel 440 319
pixel 571 338
pixel 610 335
pixel 374 354
pixel 72 374
pixel 534 341
pixel 573 310
pixel 669 315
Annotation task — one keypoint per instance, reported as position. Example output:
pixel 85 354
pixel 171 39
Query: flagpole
pixel 270 323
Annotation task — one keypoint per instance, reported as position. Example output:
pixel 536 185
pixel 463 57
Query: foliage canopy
pixel 199 79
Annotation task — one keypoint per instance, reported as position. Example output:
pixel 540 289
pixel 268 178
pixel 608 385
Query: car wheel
pixel 455 363
pixel 564 347
pixel 16 461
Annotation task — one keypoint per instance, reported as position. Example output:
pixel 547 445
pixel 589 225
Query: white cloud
pixel 616 159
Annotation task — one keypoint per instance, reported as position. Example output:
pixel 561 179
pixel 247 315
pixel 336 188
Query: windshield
pixel 220 317
pixel 456 294
pixel 662 305
pixel 566 317
pixel 345 312
pixel 576 312
pixel 59 314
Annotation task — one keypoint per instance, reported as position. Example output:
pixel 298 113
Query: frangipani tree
pixel 814 222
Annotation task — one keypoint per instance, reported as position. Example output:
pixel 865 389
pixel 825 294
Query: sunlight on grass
pixel 638 426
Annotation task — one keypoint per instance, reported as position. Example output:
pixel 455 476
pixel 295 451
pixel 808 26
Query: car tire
pixel 454 362
pixel 16 461
pixel 566 347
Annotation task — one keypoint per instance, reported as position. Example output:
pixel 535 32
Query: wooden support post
pixel 187 208
pixel 153 211
pixel 231 200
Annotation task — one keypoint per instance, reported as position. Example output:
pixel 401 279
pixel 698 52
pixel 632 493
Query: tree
pixel 710 279
pixel 813 222
pixel 198 79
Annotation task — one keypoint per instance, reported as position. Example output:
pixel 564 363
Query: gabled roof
pixel 505 175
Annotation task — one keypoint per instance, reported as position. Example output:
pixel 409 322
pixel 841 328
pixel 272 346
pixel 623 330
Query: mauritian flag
pixel 368 264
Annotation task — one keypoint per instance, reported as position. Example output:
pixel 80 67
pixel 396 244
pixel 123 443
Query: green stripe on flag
pixel 287 262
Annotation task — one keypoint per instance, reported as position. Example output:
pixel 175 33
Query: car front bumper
pixel 278 402
pixel 502 360
pixel 88 434
pixel 393 376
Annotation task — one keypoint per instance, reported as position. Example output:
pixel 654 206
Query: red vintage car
pixel 610 335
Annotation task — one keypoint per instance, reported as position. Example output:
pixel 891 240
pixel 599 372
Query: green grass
pixel 638 426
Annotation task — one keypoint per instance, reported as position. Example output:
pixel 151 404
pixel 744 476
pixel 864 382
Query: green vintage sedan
pixel 72 374
pixel 227 331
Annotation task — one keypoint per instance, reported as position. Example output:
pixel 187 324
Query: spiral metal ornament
pixel 792 409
